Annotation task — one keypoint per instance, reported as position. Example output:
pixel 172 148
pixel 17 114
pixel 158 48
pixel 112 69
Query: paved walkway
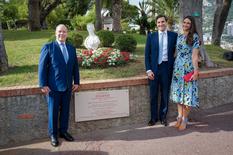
pixel 209 133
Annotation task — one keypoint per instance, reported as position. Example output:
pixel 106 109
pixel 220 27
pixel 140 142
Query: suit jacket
pixel 53 71
pixel 152 51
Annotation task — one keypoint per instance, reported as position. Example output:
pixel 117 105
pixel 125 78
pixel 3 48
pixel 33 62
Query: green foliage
pixel 80 22
pixel 23 10
pixel 142 18
pixel 66 22
pixel 77 39
pixel 126 43
pixel 106 38
pixel 21 23
pixel 125 26
pixel 1 9
pixel 10 12
pixel 56 16
pixel 73 38
pixel 216 55
pixel 129 12
pixel 169 8
pixel 75 7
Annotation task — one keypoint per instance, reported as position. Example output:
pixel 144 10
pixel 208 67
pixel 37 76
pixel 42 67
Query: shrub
pixel 74 38
pixel 126 43
pixel 66 22
pixel 106 38
pixel 4 25
pixel 102 57
pixel 21 23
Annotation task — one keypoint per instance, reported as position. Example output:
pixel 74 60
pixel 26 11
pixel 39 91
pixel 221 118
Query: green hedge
pixel 126 43
pixel 106 38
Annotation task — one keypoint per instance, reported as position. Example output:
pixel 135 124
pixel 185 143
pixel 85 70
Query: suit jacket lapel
pixel 68 51
pixel 61 57
pixel 156 44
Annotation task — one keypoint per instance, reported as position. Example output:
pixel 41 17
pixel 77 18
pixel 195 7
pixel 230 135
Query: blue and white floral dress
pixel 182 92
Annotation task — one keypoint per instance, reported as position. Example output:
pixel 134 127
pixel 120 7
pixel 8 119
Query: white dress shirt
pixel 165 41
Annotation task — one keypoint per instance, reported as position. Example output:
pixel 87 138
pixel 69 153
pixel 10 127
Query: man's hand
pixel 45 90
pixel 75 87
pixel 151 75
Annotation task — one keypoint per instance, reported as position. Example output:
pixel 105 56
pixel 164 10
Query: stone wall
pixel 23 110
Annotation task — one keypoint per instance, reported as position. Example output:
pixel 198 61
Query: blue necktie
pixel 64 52
pixel 161 48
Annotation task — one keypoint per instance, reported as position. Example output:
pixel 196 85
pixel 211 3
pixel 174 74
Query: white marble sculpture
pixel 92 41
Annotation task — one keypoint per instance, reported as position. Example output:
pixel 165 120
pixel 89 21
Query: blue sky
pixel 134 2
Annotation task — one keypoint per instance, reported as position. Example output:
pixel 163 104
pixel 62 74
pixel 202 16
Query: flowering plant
pixel 102 57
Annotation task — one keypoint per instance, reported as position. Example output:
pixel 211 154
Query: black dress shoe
pixel 67 136
pixel 164 122
pixel 151 123
pixel 54 141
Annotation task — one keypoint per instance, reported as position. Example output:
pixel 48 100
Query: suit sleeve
pixel 148 53
pixel 76 70
pixel 176 36
pixel 43 66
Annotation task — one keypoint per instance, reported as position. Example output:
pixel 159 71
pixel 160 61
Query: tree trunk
pixel 220 17
pixel 3 55
pixel 194 8
pixel 98 22
pixel 45 10
pixel 34 15
pixel 116 15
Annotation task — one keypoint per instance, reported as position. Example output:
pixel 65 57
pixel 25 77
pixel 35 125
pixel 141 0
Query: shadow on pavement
pixel 203 121
pixel 29 151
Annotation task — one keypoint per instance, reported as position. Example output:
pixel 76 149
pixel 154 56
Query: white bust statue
pixel 92 41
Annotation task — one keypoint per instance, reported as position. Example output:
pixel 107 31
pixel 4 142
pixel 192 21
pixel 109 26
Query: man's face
pixel 161 24
pixel 61 33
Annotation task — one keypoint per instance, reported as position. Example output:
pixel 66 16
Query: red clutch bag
pixel 187 77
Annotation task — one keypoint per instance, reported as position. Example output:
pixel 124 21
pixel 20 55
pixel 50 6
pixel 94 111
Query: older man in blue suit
pixel 58 78
pixel 159 59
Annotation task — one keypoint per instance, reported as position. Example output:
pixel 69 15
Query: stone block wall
pixel 23 110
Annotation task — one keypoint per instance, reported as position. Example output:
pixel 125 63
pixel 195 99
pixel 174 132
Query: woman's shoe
pixel 183 124
pixel 178 122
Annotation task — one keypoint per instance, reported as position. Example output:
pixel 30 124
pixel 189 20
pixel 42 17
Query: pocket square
pixel 187 77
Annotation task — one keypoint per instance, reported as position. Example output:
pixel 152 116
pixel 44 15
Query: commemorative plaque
pixel 95 105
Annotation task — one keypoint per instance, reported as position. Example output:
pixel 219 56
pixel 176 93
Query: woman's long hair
pixel 192 30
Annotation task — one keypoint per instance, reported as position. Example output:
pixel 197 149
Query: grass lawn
pixel 23 50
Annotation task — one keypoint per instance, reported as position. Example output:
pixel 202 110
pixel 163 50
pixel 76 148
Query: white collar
pixel 60 42
pixel 165 32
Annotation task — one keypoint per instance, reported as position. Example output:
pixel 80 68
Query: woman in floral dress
pixel 185 94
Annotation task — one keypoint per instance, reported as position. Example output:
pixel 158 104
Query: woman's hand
pixel 195 75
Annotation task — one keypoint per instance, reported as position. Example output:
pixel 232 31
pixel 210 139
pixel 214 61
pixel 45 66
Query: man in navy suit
pixel 58 78
pixel 159 59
